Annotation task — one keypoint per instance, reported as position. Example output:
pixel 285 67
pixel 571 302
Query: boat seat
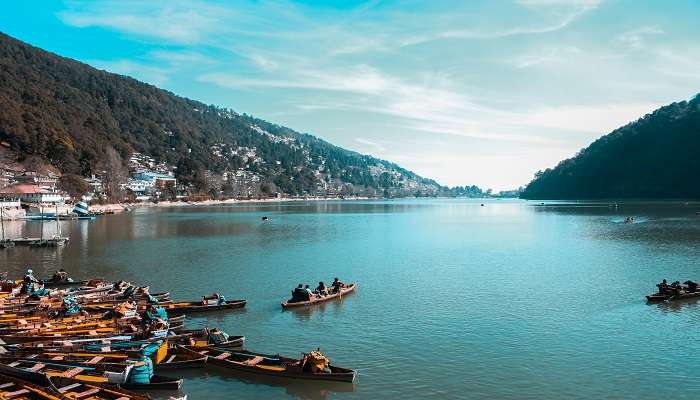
pixel 253 361
pixel 14 364
pixel 171 358
pixel 73 372
pixel 15 394
pixel 95 360
pixel 57 358
pixel 86 393
pixel 6 385
pixel 223 355
pixel 37 367
pixel 69 387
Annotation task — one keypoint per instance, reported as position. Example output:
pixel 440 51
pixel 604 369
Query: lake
pixel 511 299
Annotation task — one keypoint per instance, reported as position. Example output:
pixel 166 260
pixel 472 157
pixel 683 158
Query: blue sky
pixel 466 92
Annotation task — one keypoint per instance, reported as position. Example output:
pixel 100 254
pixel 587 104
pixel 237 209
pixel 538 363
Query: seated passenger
pixel 337 285
pixel 299 294
pixel 663 287
pixel 321 289
pixel 692 286
pixel 309 292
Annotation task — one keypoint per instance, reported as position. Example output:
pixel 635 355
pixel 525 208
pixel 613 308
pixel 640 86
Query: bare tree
pixel 113 176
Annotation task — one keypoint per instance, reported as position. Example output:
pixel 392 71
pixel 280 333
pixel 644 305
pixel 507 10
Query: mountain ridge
pixel 654 157
pixel 71 114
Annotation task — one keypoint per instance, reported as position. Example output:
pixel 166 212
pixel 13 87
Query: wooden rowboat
pixel 659 297
pixel 13 388
pixel 38 371
pixel 73 389
pixel 61 389
pixel 270 365
pixel 318 299
pixel 188 307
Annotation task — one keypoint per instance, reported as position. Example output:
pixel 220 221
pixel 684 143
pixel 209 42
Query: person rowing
pixel 337 285
pixel 321 289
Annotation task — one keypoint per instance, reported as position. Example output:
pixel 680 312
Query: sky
pixel 464 92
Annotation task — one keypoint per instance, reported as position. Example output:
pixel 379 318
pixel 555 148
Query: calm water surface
pixel 508 300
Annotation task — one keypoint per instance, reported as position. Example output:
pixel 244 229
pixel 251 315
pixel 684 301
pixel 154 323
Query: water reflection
pixel 302 389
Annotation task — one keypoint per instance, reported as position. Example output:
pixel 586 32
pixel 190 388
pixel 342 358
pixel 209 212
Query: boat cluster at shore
pixel 66 339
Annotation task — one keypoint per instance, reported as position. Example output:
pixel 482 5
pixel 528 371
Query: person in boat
pixel 321 289
pixel 309 292
pixel 692 286
pixel 29 277
pixel 663 287
pixel 337 285
pixel 676 288
pixel 299 294
pixel 60 276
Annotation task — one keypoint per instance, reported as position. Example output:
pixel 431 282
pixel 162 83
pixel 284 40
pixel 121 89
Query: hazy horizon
pixel 483 93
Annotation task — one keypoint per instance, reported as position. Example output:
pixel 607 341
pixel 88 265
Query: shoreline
pixel 120 207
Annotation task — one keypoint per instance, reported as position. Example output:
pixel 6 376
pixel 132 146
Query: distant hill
pixel 655 157
pixel 72 115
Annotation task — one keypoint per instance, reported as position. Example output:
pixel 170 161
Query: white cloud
pixel 636 39
pixel 175 21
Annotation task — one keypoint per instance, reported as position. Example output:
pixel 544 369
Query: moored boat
pixel 320 299
pixel 313 366
pixel 187 307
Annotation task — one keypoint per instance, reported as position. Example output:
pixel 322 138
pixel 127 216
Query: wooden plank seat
pixel 37 367
pixel 253 361
pixel 95 360
pixel 86 393
pixel 15 394
pixel 69 387
pixel 73 372
pixel 223 355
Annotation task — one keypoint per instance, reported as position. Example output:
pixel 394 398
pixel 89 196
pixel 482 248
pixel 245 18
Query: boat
pixel 13 388
pixel 52 284
pixel 74 389
pixel 39 371
pixel 57 388
pixel 208 337
pixel 270 365
pixel 187 307
pixel 178 359
pixel 158 382
pixel 318 299
pixel 659 297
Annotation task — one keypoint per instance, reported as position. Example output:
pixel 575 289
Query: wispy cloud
pixel 176 21
pixel 546 75
pixel 635 39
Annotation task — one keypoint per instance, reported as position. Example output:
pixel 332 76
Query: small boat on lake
pixel 674 292
pixel 187 307
pixel 319 299
pixel 312 366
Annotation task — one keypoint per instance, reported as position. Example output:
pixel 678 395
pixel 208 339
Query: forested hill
pixel 72 115
pixel 657 156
